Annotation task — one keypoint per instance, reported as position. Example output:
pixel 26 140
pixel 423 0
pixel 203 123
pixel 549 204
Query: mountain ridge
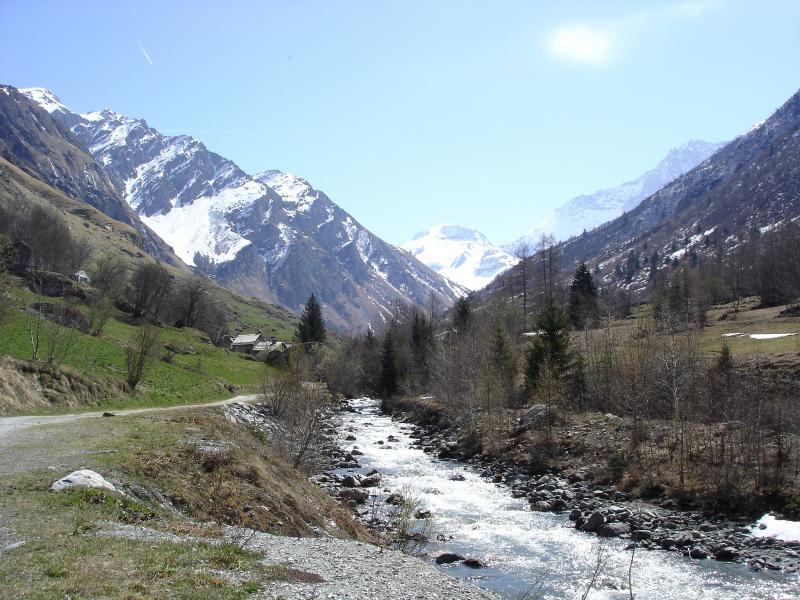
pixel 588 211
pixel 279 245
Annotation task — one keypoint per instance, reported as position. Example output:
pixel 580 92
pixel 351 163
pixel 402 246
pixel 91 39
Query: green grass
pixel 66 552
pixel 208 373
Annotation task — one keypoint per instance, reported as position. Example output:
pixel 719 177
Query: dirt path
pixel 9 426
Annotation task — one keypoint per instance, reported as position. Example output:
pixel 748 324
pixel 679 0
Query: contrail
pixel 146 55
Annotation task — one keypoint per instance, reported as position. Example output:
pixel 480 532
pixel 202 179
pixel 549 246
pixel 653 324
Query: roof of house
pixel 246 339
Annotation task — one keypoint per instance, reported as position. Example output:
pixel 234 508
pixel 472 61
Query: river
pixel 530 554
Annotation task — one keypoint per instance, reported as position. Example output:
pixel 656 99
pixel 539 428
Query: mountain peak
pixel 291 188
pixel 461 254
pixel 585 212
pixel 44 98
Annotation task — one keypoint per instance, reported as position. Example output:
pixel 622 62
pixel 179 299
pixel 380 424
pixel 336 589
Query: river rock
pixel 727 554
pixel 351 481
pixel 613 529
pixel 642 534
pixel 394 499
pixel 371 480
pixel 594 522
pixel 82 479
pixel 541 506
pixel 457 477
pixel 473 563
pixel 446 558
pixel 356 495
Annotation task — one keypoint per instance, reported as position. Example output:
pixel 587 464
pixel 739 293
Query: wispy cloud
pixel 144 52
pixel 597 45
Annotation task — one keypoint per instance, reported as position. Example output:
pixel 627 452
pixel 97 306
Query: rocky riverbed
pixel 375 460
pixel 608 512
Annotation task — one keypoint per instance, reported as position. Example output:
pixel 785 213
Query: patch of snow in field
pixel 769 526
pixel 759 336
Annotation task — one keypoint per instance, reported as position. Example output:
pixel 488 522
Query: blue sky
pixel 409 114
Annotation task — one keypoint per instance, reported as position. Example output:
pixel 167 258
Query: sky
pixel 409 114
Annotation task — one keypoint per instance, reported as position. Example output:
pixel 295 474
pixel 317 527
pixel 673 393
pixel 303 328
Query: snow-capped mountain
pixel 748 187
pixel 461 254
pixel 272 236
pixel 584 213
pixel 43 146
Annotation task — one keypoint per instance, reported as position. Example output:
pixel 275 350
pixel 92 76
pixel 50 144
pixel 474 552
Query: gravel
pixel 354 570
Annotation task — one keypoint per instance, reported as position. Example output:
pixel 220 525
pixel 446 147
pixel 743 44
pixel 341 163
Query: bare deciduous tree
pixel 139 354
pixel 150 288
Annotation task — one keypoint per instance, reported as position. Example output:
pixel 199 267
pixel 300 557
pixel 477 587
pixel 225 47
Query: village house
pixel 245 342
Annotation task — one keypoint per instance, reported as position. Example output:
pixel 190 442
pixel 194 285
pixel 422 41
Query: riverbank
pixel 576 485
pixel 202 508
pixel 521 552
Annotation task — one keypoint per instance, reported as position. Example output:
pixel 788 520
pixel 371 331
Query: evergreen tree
pixel 550 348
pixel 311 327
pixel 462 315
pixel 582 298
pixel 389 382
pixel 421 345
pixel 501 357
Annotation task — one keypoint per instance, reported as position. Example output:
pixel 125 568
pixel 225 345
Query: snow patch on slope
pixel 202 226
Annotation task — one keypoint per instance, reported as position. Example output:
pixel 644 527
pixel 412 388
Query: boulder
pixel 535 417
pixel 371 480
pixel 613 529
pixel 698 553
pixel 356 495
pixel 473 563
pixel 594 522
pixel 351 482
pixel 457 477
pixel 82 479
pixel 446 558
pixel 642 534
pixel 728 554
pixel 394 499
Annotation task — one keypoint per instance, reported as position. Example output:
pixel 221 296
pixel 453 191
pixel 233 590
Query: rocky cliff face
pixel 34 138
pixel 272 236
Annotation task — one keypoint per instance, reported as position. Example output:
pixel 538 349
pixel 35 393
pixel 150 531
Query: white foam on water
pixel 526 549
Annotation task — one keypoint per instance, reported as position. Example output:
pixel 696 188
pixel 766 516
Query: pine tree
pixel 550 348
pixel 389 382
pixel 582 298
pixel 462 316
pixel 421 345
pixel 311 327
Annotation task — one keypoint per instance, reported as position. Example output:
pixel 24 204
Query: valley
pixel 218 381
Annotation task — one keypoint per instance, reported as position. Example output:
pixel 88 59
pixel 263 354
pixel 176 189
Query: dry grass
pixel 157 458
